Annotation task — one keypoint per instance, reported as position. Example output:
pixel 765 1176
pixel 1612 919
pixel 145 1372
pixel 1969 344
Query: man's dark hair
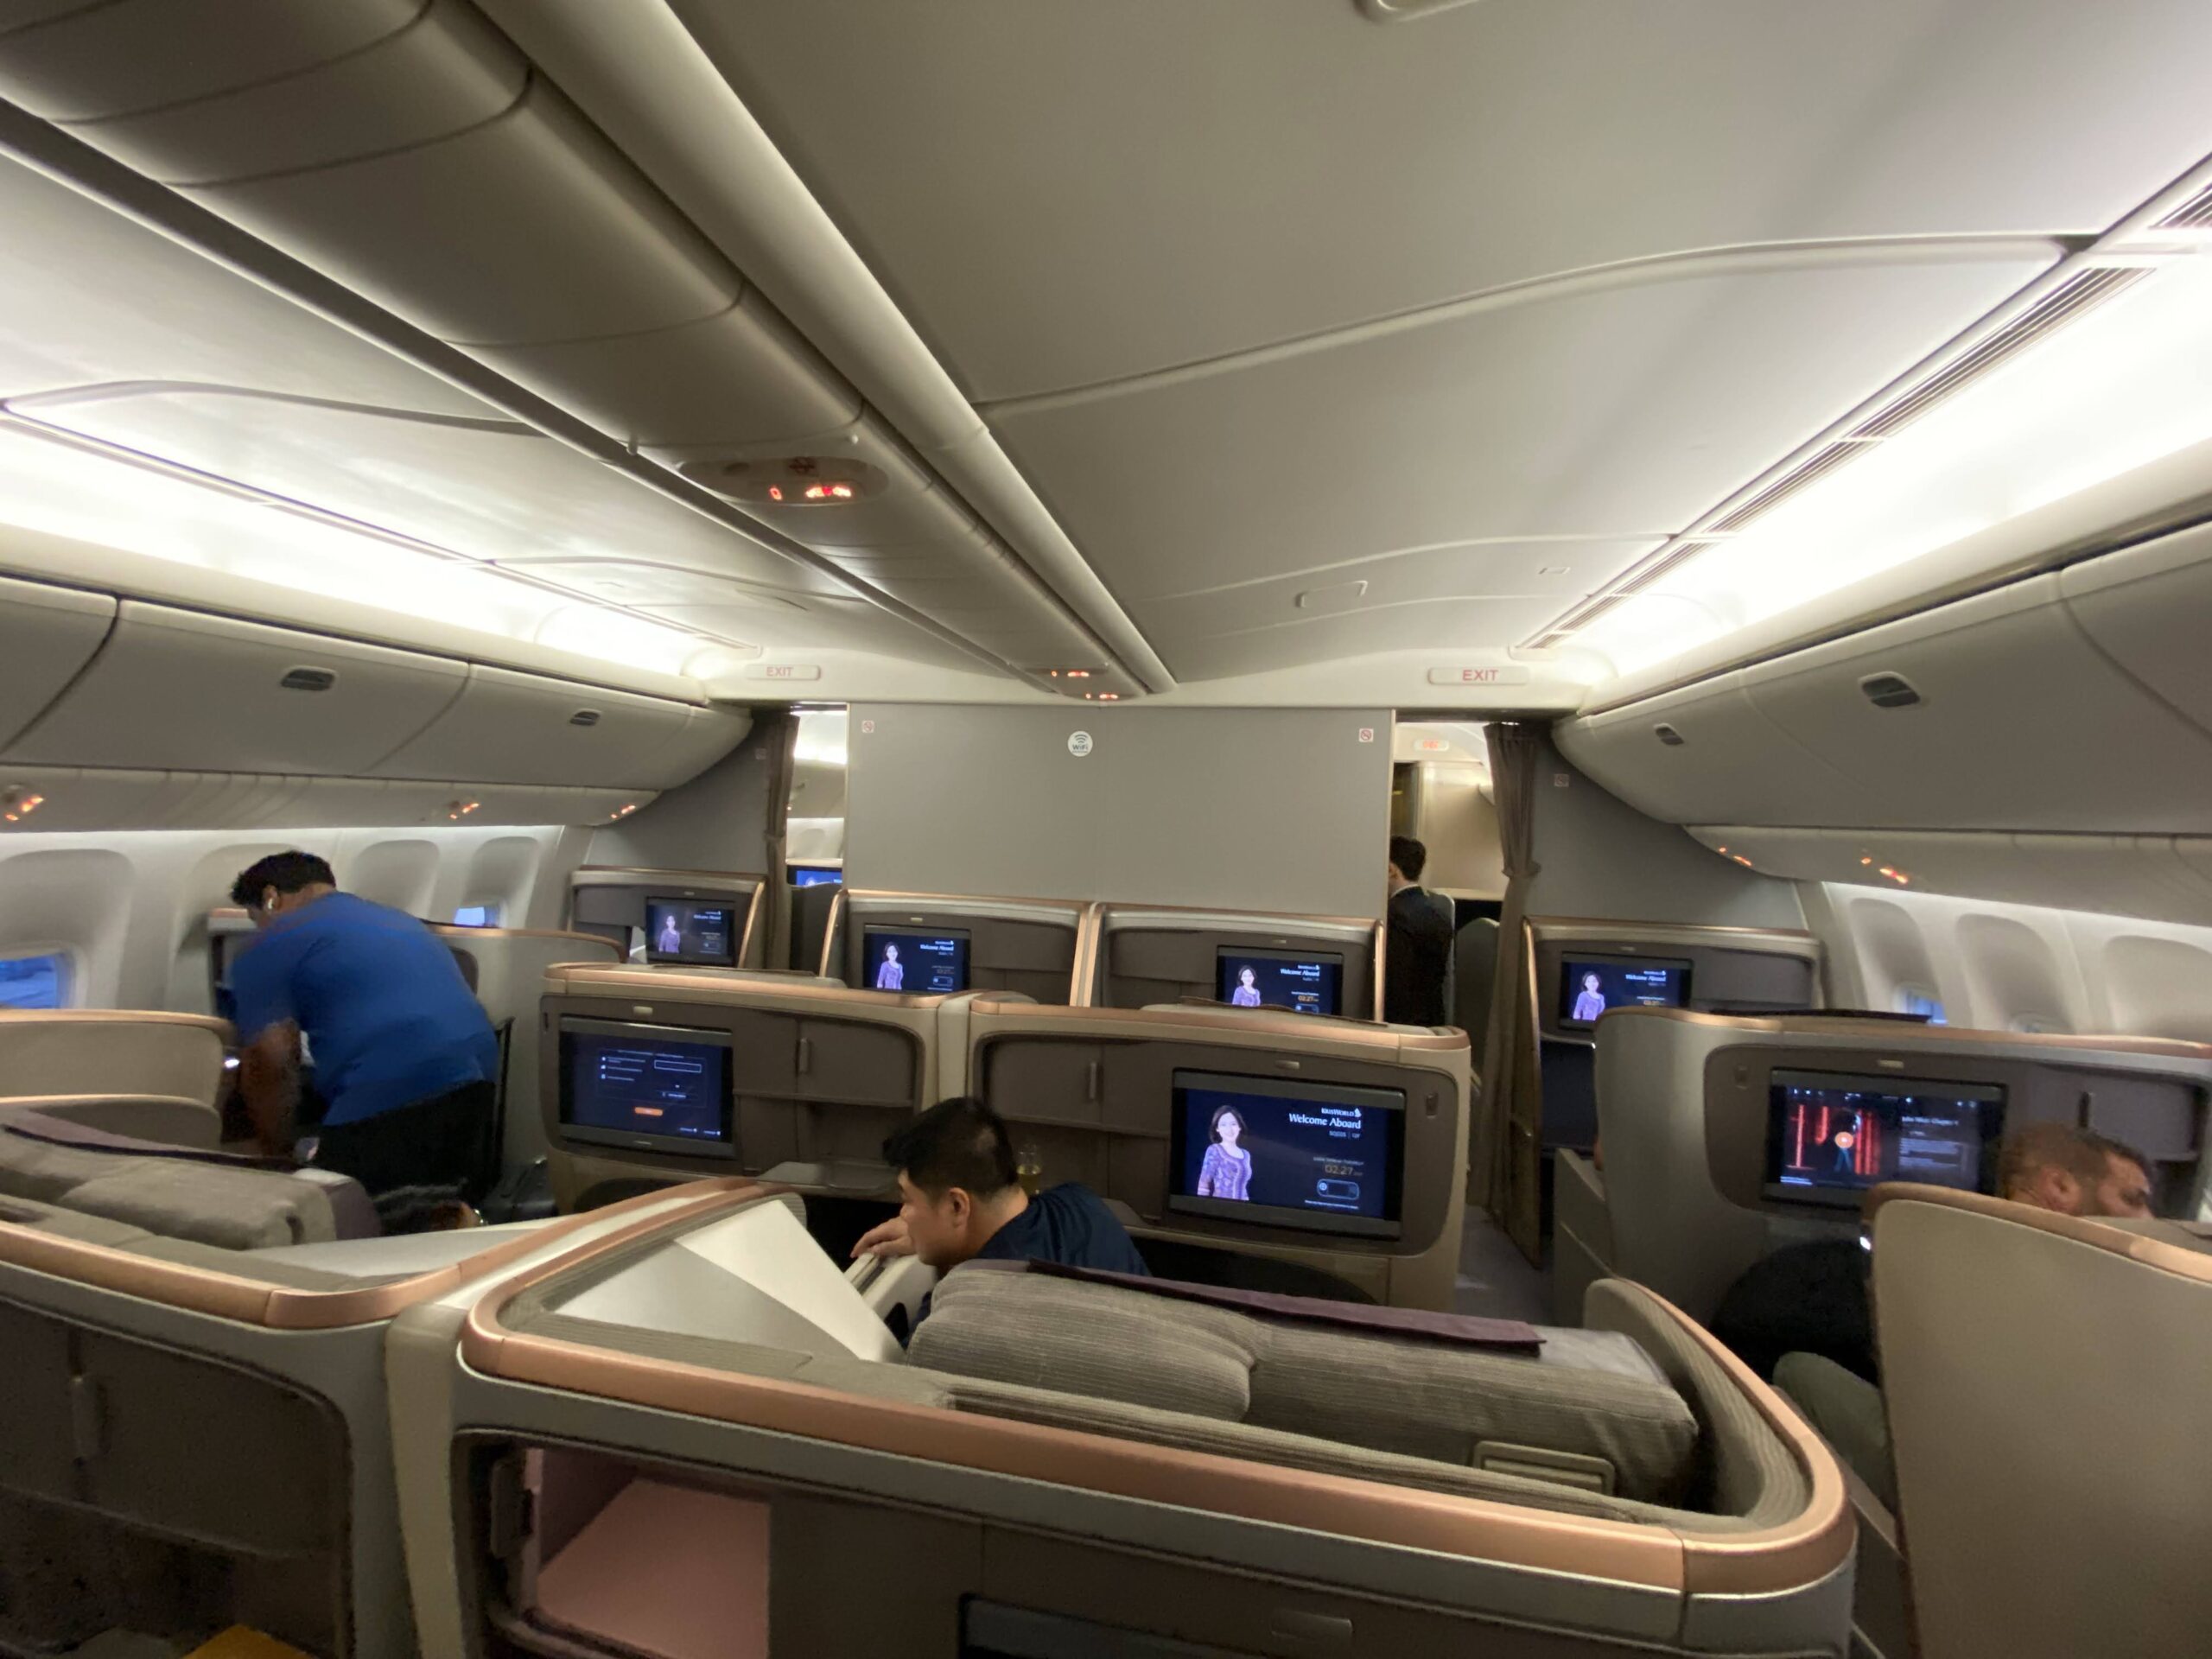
pixel 2083 1154
pixel 959 1142
pixel 1410 855
pixel 286 872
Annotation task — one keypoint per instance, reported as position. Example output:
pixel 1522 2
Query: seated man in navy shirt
pixel 964 1200
pixel 403 1051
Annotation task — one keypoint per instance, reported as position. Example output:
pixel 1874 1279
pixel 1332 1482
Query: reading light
pixel 2117 387
pixel 1079 673
pixel 1109 697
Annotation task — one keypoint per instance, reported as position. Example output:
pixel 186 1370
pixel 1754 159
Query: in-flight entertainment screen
pixel 1590 985
pixel 1305 982
pixel 930 964
pixel 695 932
pixel 816 875
pixel 1320 1157
pixel 650 1087
pixel 1830 1137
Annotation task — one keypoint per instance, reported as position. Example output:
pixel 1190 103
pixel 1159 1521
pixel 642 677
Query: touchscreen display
pixel 1590 985
pixel 653 1087
pixel 1318 1157
pixel 921 963
pixel 699 933
pixel 1304 983
pixel 1831 1136
pixel 815 876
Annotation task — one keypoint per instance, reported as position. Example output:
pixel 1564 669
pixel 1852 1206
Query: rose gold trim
pixel 1073 907
pixel 576 875
pixel 830 936
pixel 1223 1021
pixel 1111 907
pixel 2136 1247
pixel 1803 1550
pixel 221 1028
pixel 648 982
pixel 1479 1528
pixel 1792 936
pixel 751 922
pixel 1813 1023
pixel 1089 938
pixel 597 941
pixel 112 1097
pixel 278 1307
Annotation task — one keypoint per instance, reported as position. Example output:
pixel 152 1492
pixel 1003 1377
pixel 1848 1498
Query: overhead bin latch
pixel 308 679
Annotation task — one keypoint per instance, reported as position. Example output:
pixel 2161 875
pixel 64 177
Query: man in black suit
pixel 1419 931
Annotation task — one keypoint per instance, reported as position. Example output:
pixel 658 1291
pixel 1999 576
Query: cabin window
pixel 1919 999
pixel 35 980
pixel 477 916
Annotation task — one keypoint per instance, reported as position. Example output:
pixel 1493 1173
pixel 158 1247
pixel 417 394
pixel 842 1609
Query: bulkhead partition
pixel 1696 1106
pixel 112 1051
pixel 611 903
pixel 506 967
pixel 1028 946
pixel 799 1079
pixel 1090 1095
pixel 1143 954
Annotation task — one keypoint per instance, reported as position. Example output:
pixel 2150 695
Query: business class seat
pixel 2046 1383
pixel 112 1051
pixel 193 1436
pixel 1636 1485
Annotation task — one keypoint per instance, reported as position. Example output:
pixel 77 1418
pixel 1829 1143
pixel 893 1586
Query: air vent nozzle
pixel 308 679
pixel 1889 690
pixel 1669 736
pixel 584 717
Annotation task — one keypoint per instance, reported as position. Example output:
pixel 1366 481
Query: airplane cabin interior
pixel 1150 831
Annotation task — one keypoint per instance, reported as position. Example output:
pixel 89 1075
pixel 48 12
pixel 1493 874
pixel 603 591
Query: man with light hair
pixel 1803 1316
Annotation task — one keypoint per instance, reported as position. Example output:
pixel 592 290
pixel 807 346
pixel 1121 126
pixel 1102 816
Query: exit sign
pixel 1479 676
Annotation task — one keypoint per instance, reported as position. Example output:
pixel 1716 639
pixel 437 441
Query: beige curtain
pixel 1514 748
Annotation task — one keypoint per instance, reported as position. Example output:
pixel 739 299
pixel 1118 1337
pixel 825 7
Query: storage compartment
pixel 178 689
pixel 2145 609
pixel 529 228
pixel 443 72
pixel 1971 716
pixel 47 634
pixel 1705 755
pixel 507 728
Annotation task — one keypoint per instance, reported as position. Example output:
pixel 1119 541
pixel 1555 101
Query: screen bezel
pixel 654 959
pixel 681 1146
pixel 1224 953
pixel 1389 1226
pixel 1569 970
pixel 1779 1082
pixel 903 933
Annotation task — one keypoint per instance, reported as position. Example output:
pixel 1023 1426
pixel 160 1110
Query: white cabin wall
pixel 1601 857
pixel 1275 810
pixel 1458 826
pixel 719 820
pixel 2001 966
pixel 130 908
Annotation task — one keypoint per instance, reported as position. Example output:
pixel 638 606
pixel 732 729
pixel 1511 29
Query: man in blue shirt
pixel 964 1200
pixel 403 1052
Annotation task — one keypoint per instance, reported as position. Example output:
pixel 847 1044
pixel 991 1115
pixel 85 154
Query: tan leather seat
pixel 112 1051
pixel 2047 1404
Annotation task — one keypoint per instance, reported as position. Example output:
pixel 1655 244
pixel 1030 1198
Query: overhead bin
pixel 179 689
pixel 1678 757
pixel 47 634
pixel 2145 607
pixel 445 71
pixel 519 729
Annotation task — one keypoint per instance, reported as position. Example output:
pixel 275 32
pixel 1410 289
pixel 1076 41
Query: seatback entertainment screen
pixel 816 875
pixel 695 932
pixel 1831 1135
pixel 1319 1157
pixel 649 1088
pixel 921 963
pixel 1590 985
pixel 1304 981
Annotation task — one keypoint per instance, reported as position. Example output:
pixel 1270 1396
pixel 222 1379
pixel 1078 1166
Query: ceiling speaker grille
pixel 2195 214
pixel 1669 736
pixel 1889 690
pixel 2068 300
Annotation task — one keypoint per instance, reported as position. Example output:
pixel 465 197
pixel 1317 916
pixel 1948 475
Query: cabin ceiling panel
pixel 1614 412
pixel 1445 626
pixel 1059 195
